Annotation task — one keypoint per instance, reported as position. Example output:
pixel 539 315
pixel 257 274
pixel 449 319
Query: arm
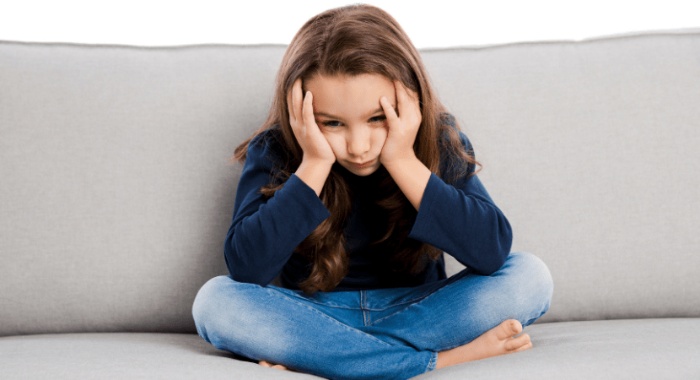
pixel 398 156
pixel 462 220
pixel 264 233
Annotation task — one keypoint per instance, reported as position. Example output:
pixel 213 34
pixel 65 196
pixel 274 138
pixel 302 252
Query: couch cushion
pixel 590 149
pixel 123 356
pixel 116 190
pixel 621 349
pixel 601 350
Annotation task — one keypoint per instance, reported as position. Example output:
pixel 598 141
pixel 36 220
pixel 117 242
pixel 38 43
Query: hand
pixel 308 135
pixel 398 156
pixel 402 130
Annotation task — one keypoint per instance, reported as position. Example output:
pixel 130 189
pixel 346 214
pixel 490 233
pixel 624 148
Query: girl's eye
pixel 377 119
pixel 331 123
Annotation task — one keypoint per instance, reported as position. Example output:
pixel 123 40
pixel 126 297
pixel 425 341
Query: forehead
pixel 345 95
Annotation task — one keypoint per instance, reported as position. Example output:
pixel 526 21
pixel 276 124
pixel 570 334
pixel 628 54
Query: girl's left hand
pixel 402 130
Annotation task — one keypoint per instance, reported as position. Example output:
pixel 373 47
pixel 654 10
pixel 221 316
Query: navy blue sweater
pixel 458 218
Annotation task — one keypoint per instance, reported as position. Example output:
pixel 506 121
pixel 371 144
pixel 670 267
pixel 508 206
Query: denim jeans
pixel 369 334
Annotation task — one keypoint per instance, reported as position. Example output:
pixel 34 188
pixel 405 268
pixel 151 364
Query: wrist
pixel 397 163
pixel 319 164
pixel 314 173
pixel 411 176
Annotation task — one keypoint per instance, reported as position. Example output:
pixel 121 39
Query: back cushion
pixel 118 191
pixel 591 150
pixel 117 187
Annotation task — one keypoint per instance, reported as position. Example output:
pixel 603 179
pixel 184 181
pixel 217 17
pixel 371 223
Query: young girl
pixel 353 188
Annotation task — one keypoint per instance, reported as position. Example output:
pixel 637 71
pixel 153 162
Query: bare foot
pixel 270 365
pixel 499 340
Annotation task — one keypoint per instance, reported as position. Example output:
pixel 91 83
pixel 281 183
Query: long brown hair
pixel 353 40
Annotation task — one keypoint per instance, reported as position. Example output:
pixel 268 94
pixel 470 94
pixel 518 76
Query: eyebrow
pixel 329 116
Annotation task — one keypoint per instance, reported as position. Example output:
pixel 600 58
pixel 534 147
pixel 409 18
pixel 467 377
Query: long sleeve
pixel 462 220
pixel 265 232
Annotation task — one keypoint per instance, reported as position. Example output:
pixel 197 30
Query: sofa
pixel 118 187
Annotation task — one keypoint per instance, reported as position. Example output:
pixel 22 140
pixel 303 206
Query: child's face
pixel 348 112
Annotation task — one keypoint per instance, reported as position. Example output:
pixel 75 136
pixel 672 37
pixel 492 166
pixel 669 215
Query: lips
pixel 362 165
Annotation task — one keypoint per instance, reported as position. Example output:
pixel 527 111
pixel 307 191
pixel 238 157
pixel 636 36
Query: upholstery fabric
pixel 620 349
pixel 602 350
pixel 590 149
pixel 124 356
pixel 117 188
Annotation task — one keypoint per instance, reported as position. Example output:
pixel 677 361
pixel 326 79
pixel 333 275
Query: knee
pixel 239 317
pixel 211 302
pixel 533 270
pixel 534 283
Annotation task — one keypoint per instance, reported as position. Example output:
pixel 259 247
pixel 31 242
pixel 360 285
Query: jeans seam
pixel 324 315
pixel 298 297
pixel 417 302
pixel 419 298
pixel 432 363
pixel 363 306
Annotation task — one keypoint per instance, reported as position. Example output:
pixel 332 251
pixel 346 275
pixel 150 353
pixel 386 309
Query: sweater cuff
pixel 424 224
pixel 307 202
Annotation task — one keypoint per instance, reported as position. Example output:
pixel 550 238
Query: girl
pixel 351 191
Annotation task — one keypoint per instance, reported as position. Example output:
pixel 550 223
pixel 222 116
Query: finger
pixel 308 112
pixel 290 107
pixel 389 111
pixel 407 100
pixel 296 100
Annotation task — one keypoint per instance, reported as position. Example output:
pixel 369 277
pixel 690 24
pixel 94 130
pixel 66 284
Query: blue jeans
pixel 369 334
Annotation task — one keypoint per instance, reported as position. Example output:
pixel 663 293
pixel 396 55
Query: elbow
pixel 491 266
pixel 242 270
pixel 502 251
pixel 503 244
pixel 499 248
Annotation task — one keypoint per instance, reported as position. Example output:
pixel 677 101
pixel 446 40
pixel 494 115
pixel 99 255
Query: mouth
pixel 362 165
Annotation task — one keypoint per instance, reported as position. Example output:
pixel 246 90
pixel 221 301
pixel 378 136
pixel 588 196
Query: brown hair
pixel 353 40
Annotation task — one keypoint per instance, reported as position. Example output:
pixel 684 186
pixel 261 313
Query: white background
pixel 431 23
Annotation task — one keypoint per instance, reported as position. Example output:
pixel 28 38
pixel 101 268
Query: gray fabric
pixel 124 356
pixel 117 191
pixel 601 350
pixel 591 150
pixel 623 349
pixel 117 187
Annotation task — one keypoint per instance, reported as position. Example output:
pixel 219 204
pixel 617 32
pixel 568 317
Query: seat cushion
pixel 633 349
pixel 612 349
pixel 123 356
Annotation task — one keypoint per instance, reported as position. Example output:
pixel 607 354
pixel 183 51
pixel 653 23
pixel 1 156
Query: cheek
pixel 336 141
pixel 379 137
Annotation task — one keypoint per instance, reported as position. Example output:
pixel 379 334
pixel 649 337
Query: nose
pixel 358 141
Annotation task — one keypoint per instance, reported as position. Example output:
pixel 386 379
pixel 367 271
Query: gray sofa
pixel 117 192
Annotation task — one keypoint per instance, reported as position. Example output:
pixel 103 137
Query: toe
pixel 518 342
pixel 508 329
pixel 525 347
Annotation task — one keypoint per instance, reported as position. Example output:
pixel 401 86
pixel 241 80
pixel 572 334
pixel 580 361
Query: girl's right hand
pixel 301 118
